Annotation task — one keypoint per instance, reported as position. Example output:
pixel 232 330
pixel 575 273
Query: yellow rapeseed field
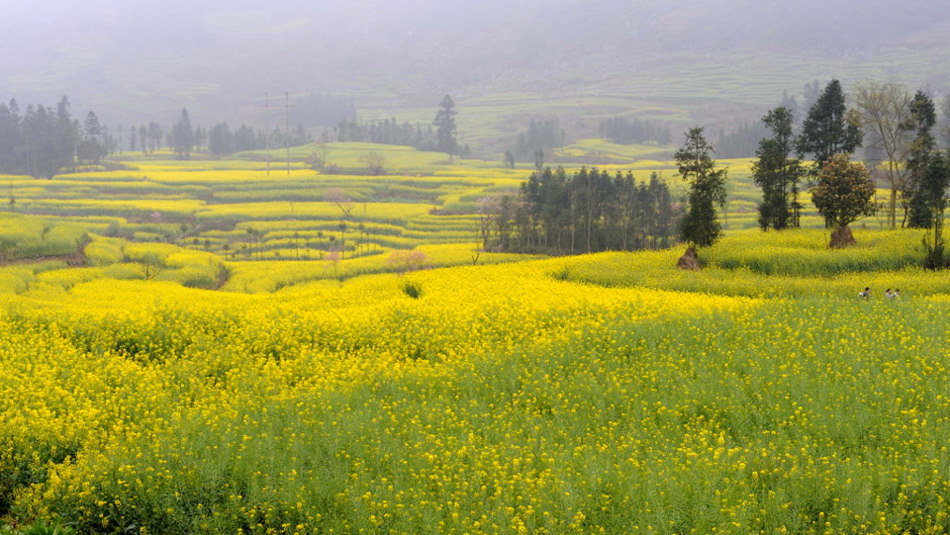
pixel 304 362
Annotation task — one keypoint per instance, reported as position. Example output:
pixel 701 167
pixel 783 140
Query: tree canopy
pixel 829 127
pixel 707 189
pixel 843 192
pixel 588 211
pixel 916 194
pixel 183 136
pixel 445 127
pixel 40 141
pixel 885 111
pixel 777 173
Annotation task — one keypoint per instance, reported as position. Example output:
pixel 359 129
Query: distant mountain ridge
pixel 135 61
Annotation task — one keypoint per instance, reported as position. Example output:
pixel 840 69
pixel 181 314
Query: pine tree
pixel 923 117
pixel 92 148
pixel 67 135
pixel 777 173
pixel 829 128
pixel 9 137
pixel 934 186
pixel 445 127
pixel 183 137
pixel 155 135
pixel 221 140
pixel 707 189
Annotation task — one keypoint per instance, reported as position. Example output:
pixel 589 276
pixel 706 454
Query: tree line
pixel 540 136
pixel 44 140
pixel 386 131
pixel 440 136
pixel 587 211
pixel 41 140
pixel 626 131
pixel 899 127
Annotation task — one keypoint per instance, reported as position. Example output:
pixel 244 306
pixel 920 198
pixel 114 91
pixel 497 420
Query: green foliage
pixel 541 135
pixel 933 188
pixel 221 140
pixel 843 192
pixel 741 142
pixel 24 236
pixel 445 127
pixel 829 128
pixel 700 225
pixel 412 289
pixel 386 132
pixel 588 211
pixel 183 136
pixel 629 131
pixel 916 194
pixel 42 527
pixel 777 173
pixel 40 141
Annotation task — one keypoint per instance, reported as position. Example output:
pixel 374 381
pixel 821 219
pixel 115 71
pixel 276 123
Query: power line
pixel 267 134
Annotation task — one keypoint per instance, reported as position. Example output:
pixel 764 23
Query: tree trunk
pixel 690 260
pixel 841 238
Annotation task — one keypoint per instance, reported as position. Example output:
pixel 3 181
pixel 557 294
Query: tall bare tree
pixel 885 116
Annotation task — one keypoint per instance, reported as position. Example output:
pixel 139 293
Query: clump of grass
pixel 563 274
pixel 412 289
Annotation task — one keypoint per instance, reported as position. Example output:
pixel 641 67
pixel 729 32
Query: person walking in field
pixel 865 294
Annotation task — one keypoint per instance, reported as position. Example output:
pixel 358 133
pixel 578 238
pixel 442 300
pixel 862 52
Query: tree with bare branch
pixel 885 115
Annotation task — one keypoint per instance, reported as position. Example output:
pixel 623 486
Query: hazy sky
pixel 137 57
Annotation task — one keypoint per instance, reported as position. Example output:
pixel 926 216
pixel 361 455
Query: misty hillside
pixel 686 61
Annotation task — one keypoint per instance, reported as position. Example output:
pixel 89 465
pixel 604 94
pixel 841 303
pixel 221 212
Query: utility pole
pixel 267 108
pixel 267 129
pixel 287 127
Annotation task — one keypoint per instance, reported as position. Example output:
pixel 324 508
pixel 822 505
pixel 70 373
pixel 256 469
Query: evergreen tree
pixel 777 173
pixel 636 130
pixel 92 148
pixel 707 188
pixel 829 128
pixel 221 140
pixel 944 120
pixel 182 136
pixel 143 138
pixel 742 142
pixel 923 117
pixel 245 139
pixel 445 127
pixel 545 134
pixel 934 186
pixel 9 137
pixel 41 141
pixel 586 212
pixel 199 138
pixel 67 135
pixel 155 135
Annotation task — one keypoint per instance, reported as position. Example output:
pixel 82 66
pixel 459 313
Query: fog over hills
pixel 689 61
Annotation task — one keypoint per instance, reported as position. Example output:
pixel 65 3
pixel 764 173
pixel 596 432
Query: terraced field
pixel 219 364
